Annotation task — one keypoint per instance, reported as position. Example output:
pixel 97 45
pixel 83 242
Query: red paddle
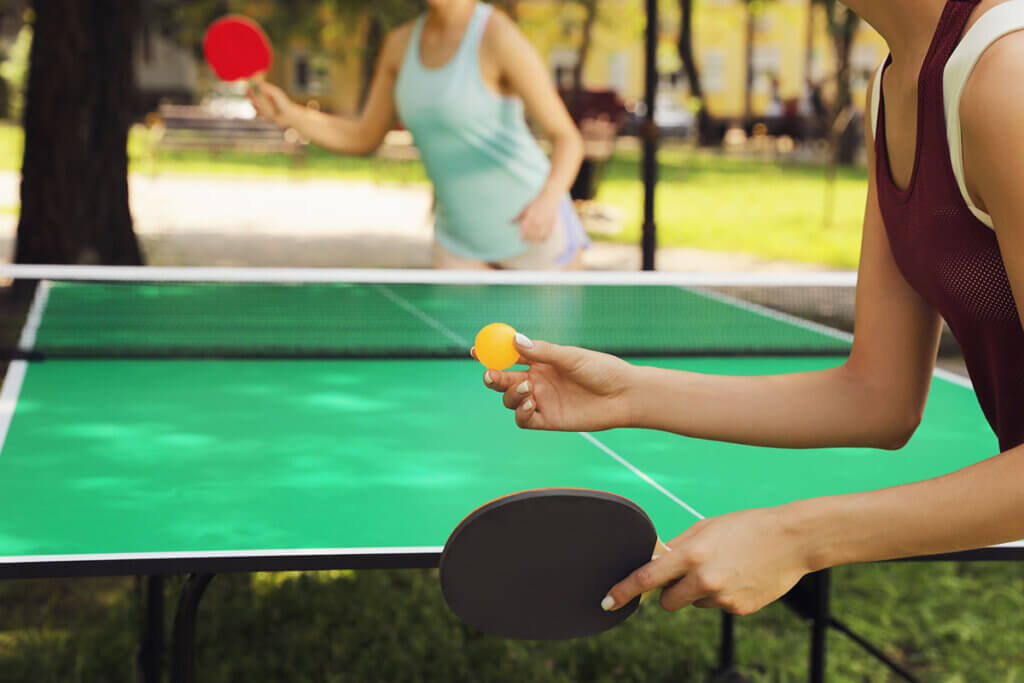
pixel 236 48
pixel 537 564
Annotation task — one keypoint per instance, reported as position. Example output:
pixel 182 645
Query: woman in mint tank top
pixel 943 238
pixel 462 78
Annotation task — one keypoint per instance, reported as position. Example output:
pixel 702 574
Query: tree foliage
pixel 590 14
pixel 842 27
pixel 684 45
pixel 14 72
pixel 316 23
pixel 326 27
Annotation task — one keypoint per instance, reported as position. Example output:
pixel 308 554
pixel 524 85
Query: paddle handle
pixel 659 549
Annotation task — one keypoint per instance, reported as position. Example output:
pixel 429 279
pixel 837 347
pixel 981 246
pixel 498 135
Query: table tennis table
pixel 136 441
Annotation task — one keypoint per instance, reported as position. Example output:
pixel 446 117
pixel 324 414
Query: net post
pixel 650 137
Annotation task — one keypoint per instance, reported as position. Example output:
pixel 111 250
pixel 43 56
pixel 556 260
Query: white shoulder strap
pixel 993 25
pixel 478 24
pixel 876 98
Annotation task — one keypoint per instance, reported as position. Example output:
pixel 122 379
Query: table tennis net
pixel 242 313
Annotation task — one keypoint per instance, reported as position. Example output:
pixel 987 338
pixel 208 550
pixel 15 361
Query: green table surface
pixel 132 466
pixel 364 463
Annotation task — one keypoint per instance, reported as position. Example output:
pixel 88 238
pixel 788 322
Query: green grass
pixel 774 211
pixel 315 163
pixel 946 622
pixel 707 201
pixel 12 142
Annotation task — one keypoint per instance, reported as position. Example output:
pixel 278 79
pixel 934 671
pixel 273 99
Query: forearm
pixel 834 407
pixel 338 134
pixel 977 506
pixel 566 156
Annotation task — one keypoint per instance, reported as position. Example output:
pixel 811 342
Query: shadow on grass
pixel 946 621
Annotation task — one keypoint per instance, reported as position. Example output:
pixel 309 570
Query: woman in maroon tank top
pixel 925 253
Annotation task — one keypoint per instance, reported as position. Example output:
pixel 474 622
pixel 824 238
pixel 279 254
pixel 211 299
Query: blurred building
pixel 792 58
pixel 791 52
pixel 165 72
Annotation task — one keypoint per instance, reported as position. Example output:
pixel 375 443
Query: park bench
pixel 187 127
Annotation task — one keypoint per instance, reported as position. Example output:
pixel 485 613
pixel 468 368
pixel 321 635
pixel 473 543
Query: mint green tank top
pixel 484 163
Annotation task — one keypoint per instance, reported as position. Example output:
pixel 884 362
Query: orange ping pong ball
pixel 494 347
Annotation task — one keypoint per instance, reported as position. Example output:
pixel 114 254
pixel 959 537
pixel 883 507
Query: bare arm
pixel 527 77
pixel 875 398
pixel 973 507
pixel 981 504
pixel 518 69
pixel 356 136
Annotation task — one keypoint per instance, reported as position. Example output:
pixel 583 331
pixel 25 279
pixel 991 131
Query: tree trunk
pixel 844 135
pixel 81 92
pixel 374 39
pixel 812 124
pixel 809 41
pixel 590 6
pixel 685 49
pixel 748 86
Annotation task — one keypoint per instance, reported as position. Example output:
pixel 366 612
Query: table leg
pixel 809 598
pixel 727 644
pixel 821 583
pixel 151 645
pixel 183 669
pixel 726 671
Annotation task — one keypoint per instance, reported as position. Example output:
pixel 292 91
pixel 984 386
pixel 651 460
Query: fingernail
pixel 523 340
pixel 523 388
pixel 607 603
pixel 528 404
pixel 487 378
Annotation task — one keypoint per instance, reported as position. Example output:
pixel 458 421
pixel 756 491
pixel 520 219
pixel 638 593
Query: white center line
pixel 458 339
pixel 426 318
pixel 638 472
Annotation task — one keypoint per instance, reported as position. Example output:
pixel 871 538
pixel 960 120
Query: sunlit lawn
pixel 774 211
pixel 11 142
pixel 317 163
